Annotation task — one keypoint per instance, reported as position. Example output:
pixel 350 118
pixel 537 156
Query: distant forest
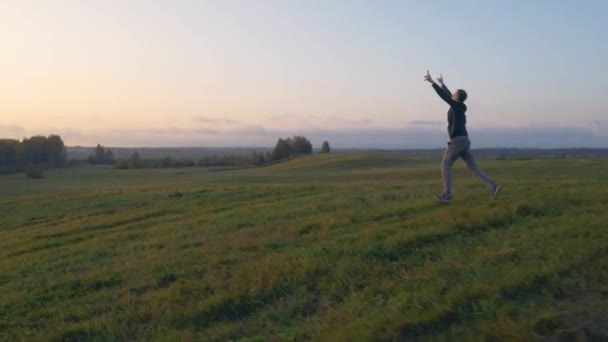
pixel 285 148
pixel 199 153
pixel 50 152
pixel 41 151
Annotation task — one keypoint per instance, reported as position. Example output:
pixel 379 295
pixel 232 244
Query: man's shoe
pixel 445 198
pixel 494 191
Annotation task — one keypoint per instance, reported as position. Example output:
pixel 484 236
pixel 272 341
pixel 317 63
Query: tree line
pixel 39 151
pixel 284 148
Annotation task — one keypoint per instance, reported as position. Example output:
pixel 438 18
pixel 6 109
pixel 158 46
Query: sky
pixel 243 73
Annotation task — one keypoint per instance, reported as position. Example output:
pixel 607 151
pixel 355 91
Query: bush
pixel 34 172
pixel 122 165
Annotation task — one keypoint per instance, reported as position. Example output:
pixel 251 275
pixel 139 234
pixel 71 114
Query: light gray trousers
pixel 459 148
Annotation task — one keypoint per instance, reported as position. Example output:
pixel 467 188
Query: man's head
pixel 459 95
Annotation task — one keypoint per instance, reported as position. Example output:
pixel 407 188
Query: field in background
pixel 338 247
pixel 82 153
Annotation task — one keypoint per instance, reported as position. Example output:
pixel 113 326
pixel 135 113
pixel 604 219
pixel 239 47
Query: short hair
pixel 462 95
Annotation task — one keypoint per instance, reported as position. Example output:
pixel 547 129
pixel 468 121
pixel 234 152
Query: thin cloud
pixel 426 123
pixel 364 121
pixel 285 116
pixel 178 131
pixel 539 133
pixel 209 120
pixel 313 121
pixel 600 123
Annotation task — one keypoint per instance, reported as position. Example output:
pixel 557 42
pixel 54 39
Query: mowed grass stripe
pixel 205 208
pixel 125 230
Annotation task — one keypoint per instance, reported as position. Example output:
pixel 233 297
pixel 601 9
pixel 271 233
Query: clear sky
pixel 240 73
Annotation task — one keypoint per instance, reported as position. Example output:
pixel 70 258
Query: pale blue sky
pixel 177 73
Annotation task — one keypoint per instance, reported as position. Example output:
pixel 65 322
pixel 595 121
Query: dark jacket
pixel 457 120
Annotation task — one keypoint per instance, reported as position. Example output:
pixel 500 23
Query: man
pixel 459 144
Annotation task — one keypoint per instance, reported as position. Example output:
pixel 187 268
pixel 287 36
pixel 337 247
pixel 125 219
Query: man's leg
pixel 450 155
pixel 467 156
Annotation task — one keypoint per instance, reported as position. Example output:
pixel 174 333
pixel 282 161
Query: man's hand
pixel 440 79
pixel 428 77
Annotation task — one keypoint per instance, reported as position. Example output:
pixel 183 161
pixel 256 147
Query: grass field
pixel 334 247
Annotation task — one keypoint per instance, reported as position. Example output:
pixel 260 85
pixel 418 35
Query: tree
pixel 325 147
pixel 57 154
pixel 300 145
pixel 100 152
pixel 281 150
pixel 135 161
pixel 291 146
pixel 10 153
pixel 102 155
pixel 35 150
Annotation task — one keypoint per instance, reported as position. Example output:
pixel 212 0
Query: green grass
pixel 333 247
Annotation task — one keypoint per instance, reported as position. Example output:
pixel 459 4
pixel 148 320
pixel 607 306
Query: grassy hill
pixel 334 247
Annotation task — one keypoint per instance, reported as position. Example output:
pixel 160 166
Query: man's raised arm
pixel 443 86
pixel 445 95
